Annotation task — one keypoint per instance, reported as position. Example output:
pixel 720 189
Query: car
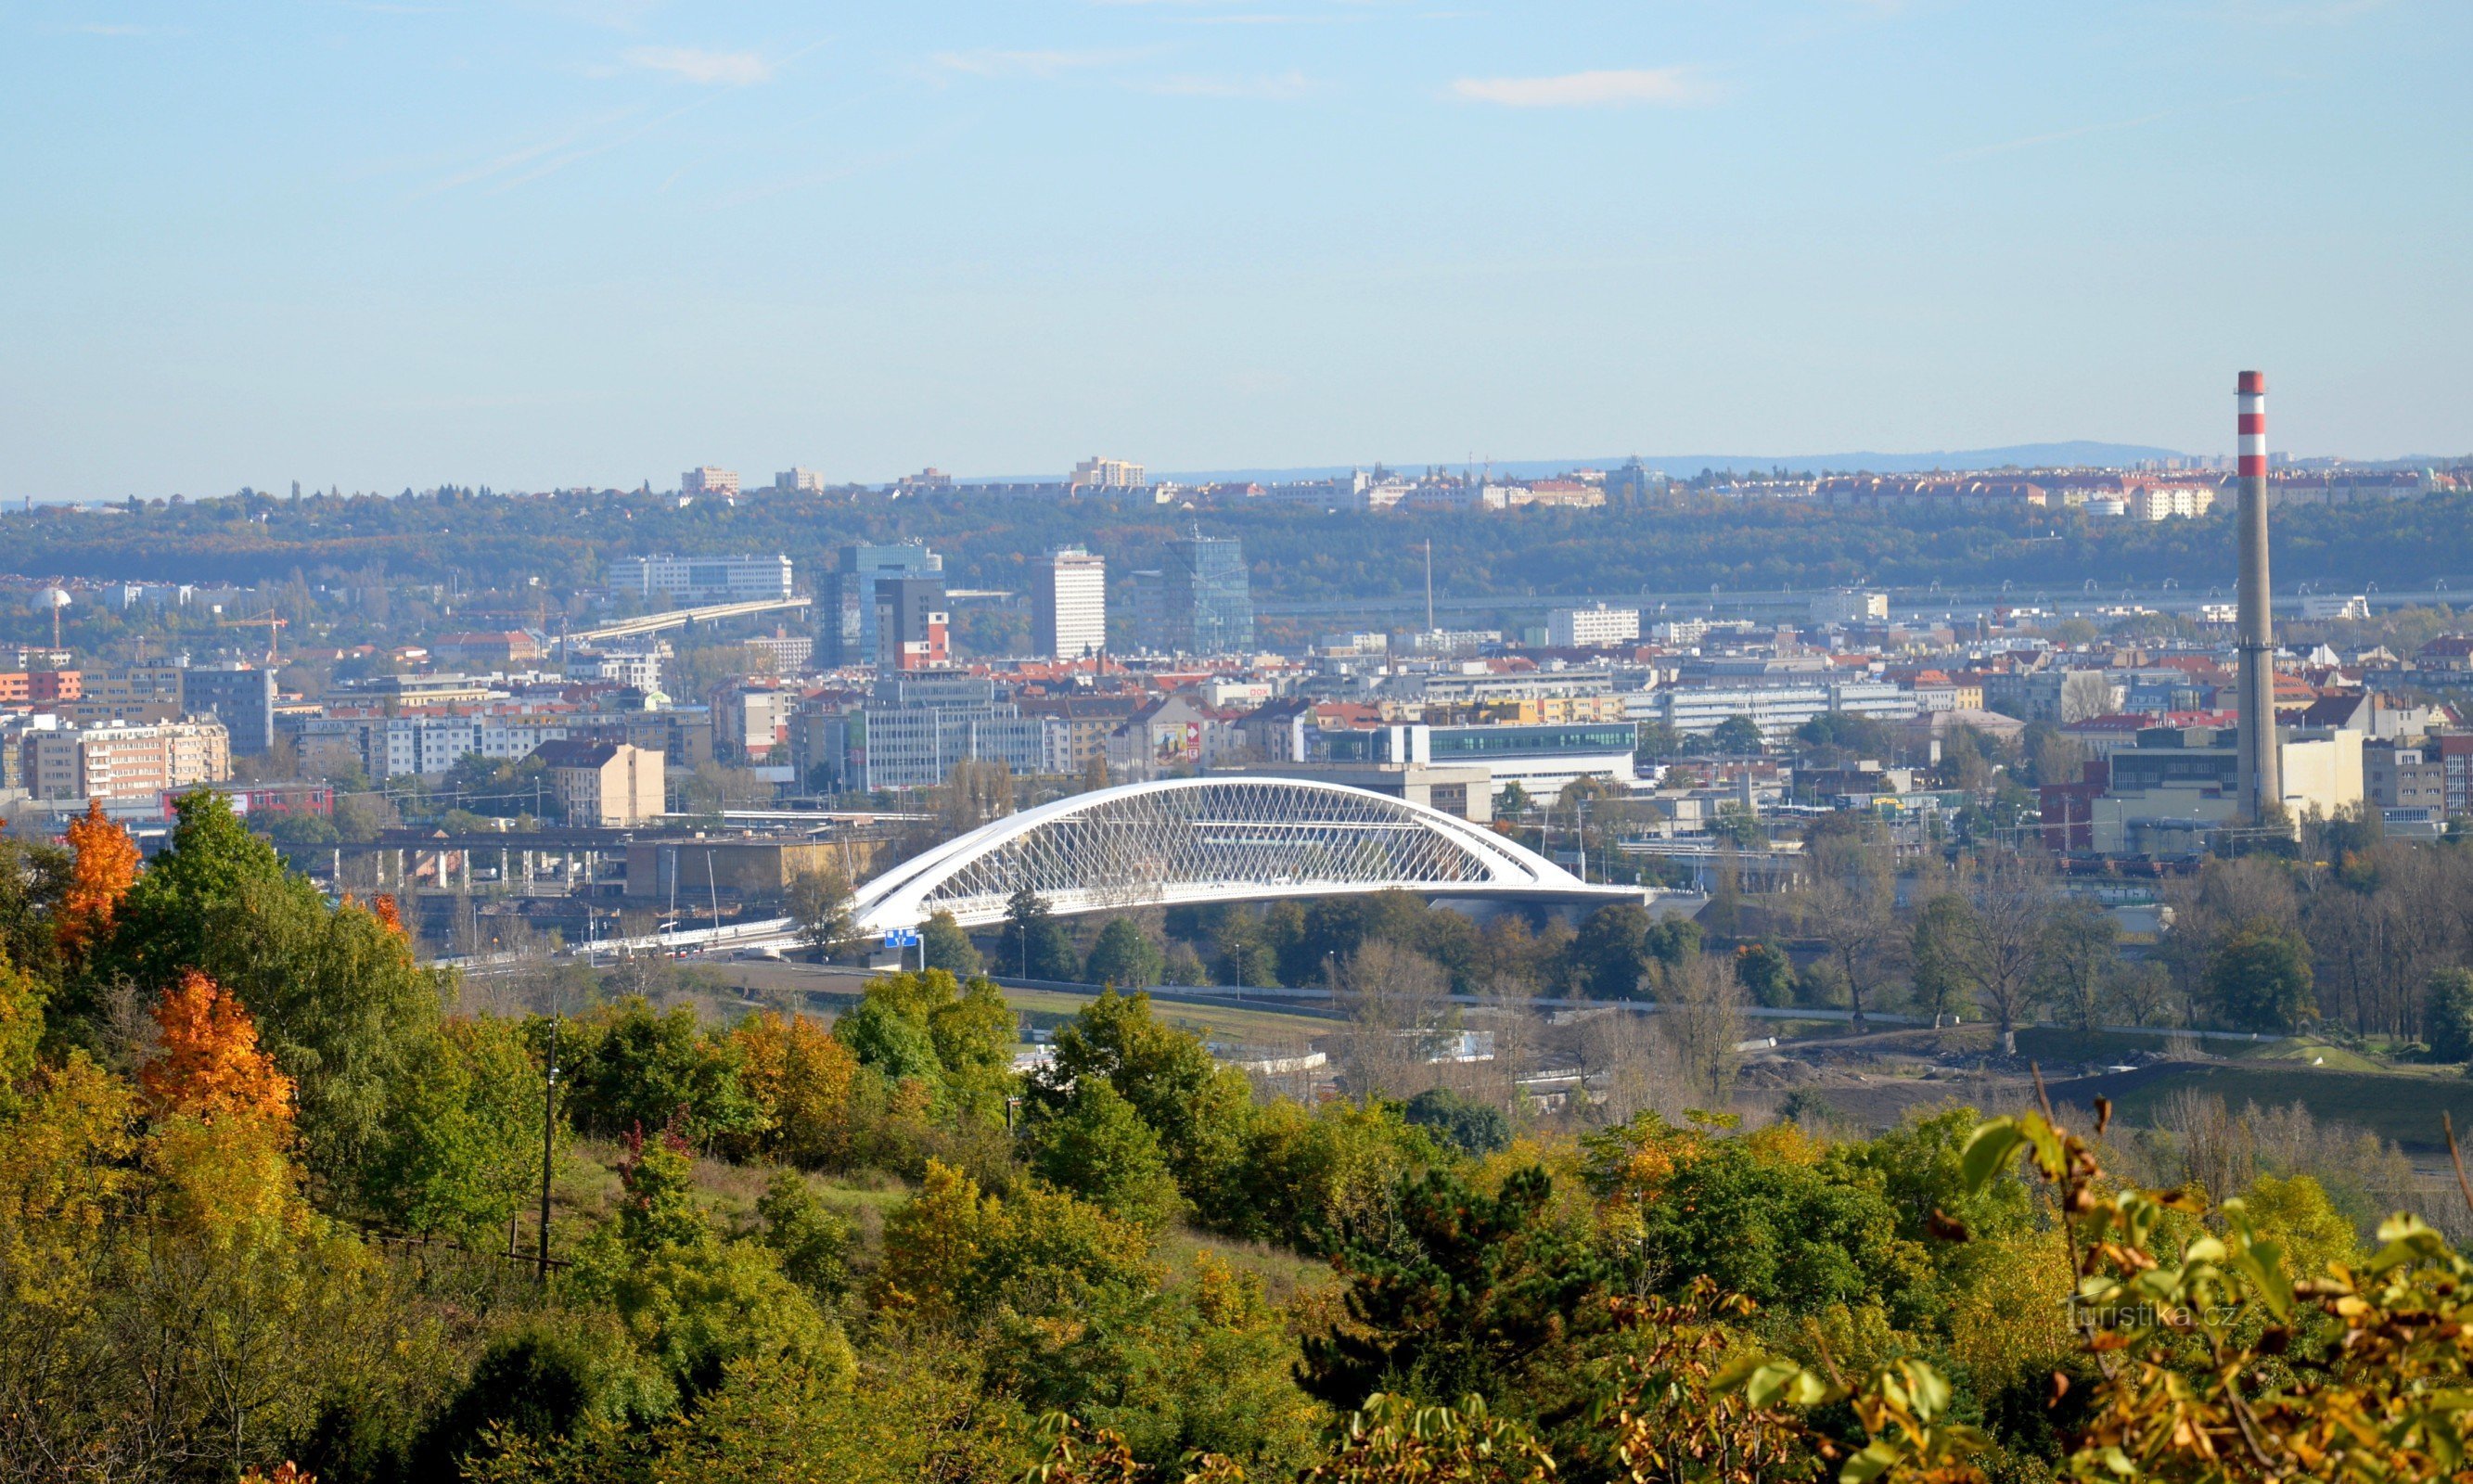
pixel 762 950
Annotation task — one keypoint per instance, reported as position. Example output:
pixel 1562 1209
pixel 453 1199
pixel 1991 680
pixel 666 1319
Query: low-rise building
pixel 607 785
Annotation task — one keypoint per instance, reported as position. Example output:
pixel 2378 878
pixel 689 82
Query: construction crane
pixel 272 624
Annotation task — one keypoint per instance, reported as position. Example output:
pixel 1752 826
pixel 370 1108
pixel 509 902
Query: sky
pixel 385 243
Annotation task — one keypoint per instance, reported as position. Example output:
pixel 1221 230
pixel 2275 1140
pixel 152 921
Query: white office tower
pixel 1069 604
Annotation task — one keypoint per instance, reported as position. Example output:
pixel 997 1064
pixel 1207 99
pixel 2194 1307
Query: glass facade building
pixel 1206 598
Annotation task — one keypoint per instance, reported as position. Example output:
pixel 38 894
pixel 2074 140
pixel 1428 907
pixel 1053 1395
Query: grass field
pixel 2404 1107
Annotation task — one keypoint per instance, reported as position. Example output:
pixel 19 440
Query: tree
pixel 1032 944
pixel 2260 979
pixel 1610 955
pixel 1701 1012
pixel 2081 957
pixel 1657 742
pixel 207 1063
pixel 632 1070
pixel 1737 735
pixel 943 944
pixel 459 1151
pixel 820 903
pixel 1851 907
pixel 1467 1125
pixel 1511 803
pixel 1125 956
pixel 800 1077
pixel 2001 939
pixel 1200 1109
pixel 1100 1148
pixel 103 867
pixel 2447 1015
pixel 1458 1292
pixel 1765 972
pixel 1938 955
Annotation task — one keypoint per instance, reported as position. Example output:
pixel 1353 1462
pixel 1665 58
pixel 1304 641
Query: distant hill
pixel 2077 451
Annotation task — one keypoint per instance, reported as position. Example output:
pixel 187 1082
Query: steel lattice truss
pixel 1189 840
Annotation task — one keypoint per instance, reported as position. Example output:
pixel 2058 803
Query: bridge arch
pixel 1180 841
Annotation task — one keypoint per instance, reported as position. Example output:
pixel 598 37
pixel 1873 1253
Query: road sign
pixel 902 938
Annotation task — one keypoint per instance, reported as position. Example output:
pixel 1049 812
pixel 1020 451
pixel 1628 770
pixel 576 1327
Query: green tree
pixel 1033 944
pixel 1199 1110
pixel 958 1037
pixel 1512 801
pixel 1100 1148
pixel 2258 980
pixel 1765 972
pixel 943 944
pixel 1460 1292
pixel 1123 956
pixel 631 1069
pixel 459 1151
pixel 2447 1015
pixel 1467 1125
pixel 1610 954
pixel 1939 956
pixel 1737 735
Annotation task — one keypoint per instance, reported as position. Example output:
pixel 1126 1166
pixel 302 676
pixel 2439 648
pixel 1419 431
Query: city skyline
pixel 589 244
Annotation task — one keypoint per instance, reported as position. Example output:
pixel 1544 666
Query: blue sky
pixel 597 241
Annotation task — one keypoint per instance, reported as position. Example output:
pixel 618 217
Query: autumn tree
pixel 103 866
pixel 209 1064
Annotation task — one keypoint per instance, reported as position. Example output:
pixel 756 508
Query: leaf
pixel 1988 1151
pixel 1876 1459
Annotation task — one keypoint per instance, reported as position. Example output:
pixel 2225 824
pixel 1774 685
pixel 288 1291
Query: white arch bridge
pixel 1181 841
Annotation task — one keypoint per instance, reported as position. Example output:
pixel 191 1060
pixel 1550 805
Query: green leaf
pixel 1875 1460
pixel 1988 1151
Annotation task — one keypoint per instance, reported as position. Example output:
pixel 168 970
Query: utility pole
pixel 549 1137
pixel 1430 585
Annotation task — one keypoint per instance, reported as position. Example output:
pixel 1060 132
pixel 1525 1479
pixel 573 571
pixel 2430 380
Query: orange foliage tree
pixel 209 1064
pixel 102 874
pixel 382 907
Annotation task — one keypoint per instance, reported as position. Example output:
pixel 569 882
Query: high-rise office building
pixel 1205 603
pixel 242 697
pixel 1069 604
pixel 798 481
pixel 849 630
pixel 910 624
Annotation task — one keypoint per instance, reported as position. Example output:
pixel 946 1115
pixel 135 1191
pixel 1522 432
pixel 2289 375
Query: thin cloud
pixel 1288 84
pixel 1658 88
pixel 727 69
pixel 123 29
pixel 991 62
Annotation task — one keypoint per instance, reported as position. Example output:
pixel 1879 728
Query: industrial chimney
pixel 2262 774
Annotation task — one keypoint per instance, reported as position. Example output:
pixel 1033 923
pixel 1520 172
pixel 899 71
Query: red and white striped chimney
pixel 2250 395
pixel 2262 758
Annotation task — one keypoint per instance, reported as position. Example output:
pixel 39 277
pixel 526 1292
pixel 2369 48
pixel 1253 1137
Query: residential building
pixel 1098 473
pixel 240 696
pixel 1069 604
pixel 1849 605
pixel 637 669
pixel 692 581
pixel 2323 606
pixel 125 761
pixel 704 479
pixel 1205 598
pixel 788 654
pixel 750 721
pixel 2405 780
pixel 608 785
pixel 389 746
pixel 1591 628
pixel 494 651
pixel 798 481
pixel 850 629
